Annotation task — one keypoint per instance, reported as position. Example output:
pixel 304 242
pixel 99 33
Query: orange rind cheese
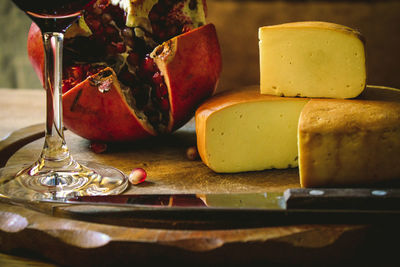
pixel 332 141
pixel 242 130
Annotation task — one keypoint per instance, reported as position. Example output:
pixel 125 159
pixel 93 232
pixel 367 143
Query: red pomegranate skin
pixel 191 64
pixel 102 115
pixel 36 51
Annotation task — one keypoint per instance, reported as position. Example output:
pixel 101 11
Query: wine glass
pixel 56 175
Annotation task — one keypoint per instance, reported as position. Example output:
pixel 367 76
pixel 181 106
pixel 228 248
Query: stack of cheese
pixel 312 110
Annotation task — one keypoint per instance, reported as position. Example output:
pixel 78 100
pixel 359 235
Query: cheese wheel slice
pixel 350 142
pixel 244 130
pixel 311 59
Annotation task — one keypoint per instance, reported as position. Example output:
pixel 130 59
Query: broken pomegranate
pixel 134 69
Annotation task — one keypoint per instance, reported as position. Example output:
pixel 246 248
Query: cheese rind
pixel 350 142
pixel 243 130
pixel 311 59
pixel 340 142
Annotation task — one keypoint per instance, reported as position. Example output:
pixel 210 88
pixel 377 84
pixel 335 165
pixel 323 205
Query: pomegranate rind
pixel 36 51
pixel 96 109
pixel 191 64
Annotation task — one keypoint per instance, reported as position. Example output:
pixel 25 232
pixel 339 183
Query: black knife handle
pixel 343 198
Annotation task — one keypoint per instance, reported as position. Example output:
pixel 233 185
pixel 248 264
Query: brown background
pixel 237 23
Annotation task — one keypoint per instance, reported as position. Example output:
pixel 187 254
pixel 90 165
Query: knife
pixel 230 210
pixel 216 211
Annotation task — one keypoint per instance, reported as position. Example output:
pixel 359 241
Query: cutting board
pixel 76 241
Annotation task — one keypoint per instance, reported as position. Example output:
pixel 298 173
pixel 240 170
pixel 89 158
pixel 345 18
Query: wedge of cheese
pixel 242 130
pixel 350 142
pixel 334 142
pixel 311 59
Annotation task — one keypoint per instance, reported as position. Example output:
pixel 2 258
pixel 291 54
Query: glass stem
pixel 55 150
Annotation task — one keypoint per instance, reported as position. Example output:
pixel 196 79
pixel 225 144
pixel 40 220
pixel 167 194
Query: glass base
pixel 36 183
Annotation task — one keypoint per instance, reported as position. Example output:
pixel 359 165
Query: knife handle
pixel 342 198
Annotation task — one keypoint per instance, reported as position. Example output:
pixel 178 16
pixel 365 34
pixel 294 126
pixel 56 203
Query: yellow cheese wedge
pixel 243 130
pixel 350 142
pixel 311 59
pixel 337 142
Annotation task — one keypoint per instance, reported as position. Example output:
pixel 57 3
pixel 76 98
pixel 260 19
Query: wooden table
pixel 170 172
pixel 18 109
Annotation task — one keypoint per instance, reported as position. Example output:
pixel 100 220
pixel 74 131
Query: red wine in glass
pixel 56 175
pixel 52 15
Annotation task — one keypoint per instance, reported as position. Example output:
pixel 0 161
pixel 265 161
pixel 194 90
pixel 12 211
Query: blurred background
pixel 237 23
pixel 15 68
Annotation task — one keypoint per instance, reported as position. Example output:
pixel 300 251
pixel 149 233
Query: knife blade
pixel 230 210
pixel 291 199
pixel 216 211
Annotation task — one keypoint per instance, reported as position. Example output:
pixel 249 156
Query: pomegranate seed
pixel 141 96
pixel 89 6
pixel 161 91
pixel 192 153
pixel 72 76
pixel 110 30
pixel 97 10
pixel 98 147
pixel 111 49
pixel 120 47
pixel 155 28
pixel 161 35
pixel 112 34
pixel 158 8
pixel 153 16
pixel 106 18
pixel 92 23
pixel 137 176
pixel 164 104
pixel 186 28
pixel 169 2
pixel 100 38
pixel 172 30
pixel 66 85
pixel 126 77
pixel 102 3
pixel 148 66
pixel 157 78
pixel 133 59
pixel 76 72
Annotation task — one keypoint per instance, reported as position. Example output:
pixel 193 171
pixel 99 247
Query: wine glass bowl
pixel 52 15
pixel 55 174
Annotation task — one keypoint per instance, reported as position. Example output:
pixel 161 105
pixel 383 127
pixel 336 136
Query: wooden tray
pixel 76 242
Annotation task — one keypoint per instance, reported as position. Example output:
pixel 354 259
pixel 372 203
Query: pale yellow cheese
pixel 340 142
pixel 350 142
pixel 311 59
pixel 243 130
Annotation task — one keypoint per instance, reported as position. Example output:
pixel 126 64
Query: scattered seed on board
pixel 192 153
pixel 98 147
pixel 137 176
